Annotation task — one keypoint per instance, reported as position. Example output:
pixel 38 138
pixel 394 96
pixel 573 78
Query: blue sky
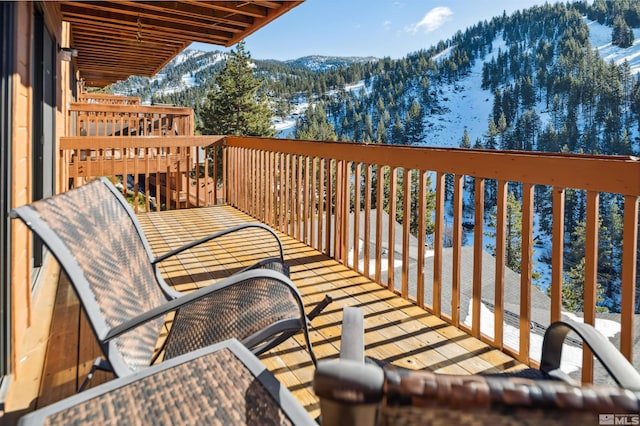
pixel 369 27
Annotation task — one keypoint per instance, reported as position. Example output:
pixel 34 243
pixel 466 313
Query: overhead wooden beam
pixel 116 39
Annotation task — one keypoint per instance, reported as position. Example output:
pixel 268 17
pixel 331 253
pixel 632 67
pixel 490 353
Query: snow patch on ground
pixel 463 105
pixel 571 355
pixel 600 37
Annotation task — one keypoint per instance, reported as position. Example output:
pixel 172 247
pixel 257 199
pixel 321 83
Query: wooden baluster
pixel 367 221
pixel 391 241
pixel 628 284
pixel 329 205
pixel 590 277
pixel 313 216
pixel 437 247
pixel 501 214
pixel 356 216
pixel 557 254
pixel 526 271
pixel 379 210
pixel 478 250
pixel 422 230
pixel 299 202
pixel 406 230
pixel 345 207
pixel 321 203
pixel 457 249
pixel 305 202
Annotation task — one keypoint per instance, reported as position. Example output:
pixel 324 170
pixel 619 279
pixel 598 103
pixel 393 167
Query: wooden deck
pixel 396 330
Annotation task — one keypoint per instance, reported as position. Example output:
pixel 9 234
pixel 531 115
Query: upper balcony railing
pixel 104 98
pixel 129 119
pixel 328 194
pixel 150 148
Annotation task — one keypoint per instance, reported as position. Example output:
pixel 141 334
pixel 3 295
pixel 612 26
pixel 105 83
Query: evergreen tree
pixel 622 35
pixel 234 106
pixel 497 103
pixel 573 283
pixel 493 132
pixel 397 132
pixel 573 289
pixel 466 141
pixel 315 126
pixel 513 234
pixel 414 125
pixel 502 128
pixel 381 132
pixel 527 93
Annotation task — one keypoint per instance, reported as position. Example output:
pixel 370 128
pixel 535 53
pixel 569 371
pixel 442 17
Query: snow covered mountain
pixel 194 68
pixel 324 63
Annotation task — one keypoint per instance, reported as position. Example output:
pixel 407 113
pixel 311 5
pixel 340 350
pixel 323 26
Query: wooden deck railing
pixel 308 190
pixel 105 98
pixel 150 149
pixel 108 119
pixel 161 168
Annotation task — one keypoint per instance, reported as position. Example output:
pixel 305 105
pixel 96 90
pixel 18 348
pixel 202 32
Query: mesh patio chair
pixel 353 391
pixel 95 236
pixel 222 384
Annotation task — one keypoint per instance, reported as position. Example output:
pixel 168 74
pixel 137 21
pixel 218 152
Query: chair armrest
pixel 196 295
pixel 348 381
pixel 613 361
pixel 349 389
pixel 220 234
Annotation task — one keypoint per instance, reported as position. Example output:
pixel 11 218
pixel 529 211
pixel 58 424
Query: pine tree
pixel 527 93
pixel 397 132
pixel 573 289
pixel 573 283
pixel 497 103
pixel 466 141
pixel 381 132
pixel 493 132
pixel 414 126
pixel 622 35
pixel 513 234
pixel 315 125
pixel 234 106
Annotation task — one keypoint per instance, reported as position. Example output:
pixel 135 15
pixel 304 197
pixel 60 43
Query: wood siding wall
pixel 22 157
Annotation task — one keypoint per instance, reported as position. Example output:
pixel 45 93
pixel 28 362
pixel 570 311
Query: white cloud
pixel 386 25
pixel 433 20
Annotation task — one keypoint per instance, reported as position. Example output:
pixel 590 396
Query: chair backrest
pixel 377 393
pixel 96 238
pixel 420 397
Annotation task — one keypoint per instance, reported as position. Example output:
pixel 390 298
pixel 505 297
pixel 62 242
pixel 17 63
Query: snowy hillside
pixel 323 63
pixel 465 105
pixel 600 36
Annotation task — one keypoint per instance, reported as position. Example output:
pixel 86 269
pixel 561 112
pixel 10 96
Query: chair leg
pixel 320 307
pixel 99 364
pixel 314 313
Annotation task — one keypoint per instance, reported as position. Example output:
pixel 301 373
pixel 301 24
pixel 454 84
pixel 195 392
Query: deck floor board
pixel 396 330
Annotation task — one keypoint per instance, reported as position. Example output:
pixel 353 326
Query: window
pixel 6 69
pixel 44 108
